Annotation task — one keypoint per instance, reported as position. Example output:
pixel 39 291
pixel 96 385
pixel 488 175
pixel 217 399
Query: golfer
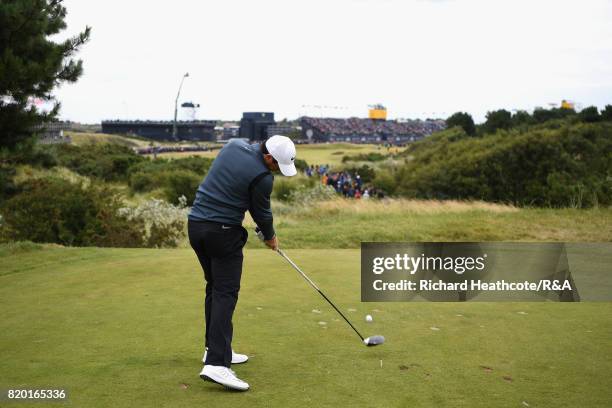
pixel 239 179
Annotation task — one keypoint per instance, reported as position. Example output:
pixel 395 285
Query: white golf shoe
pixel 236 358
pixel 224 376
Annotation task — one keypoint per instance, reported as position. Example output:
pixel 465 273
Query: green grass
pixel 123 328
pixel 333 153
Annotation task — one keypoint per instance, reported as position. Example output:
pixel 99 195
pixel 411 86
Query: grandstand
pixel 193 130
pixel 357 130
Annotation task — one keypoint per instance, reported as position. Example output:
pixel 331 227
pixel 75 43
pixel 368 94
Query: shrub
pixel 300 164
pixel 386 182
pixel 108 162
pixel 7 186
pixel 52 210
pixel 366 172
pixel 198 165
pixel 305 195
pixel 176 178
pixel 173 183
pixel 164 223
pixel 285 186
pixel 372 157
pixel 181 183
pixel 142 182
pixel 39 156
pixel 556 164
pixel 283 189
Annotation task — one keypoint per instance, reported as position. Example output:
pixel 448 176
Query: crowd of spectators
pixel 318 170
pixel 371 127
pixel 171 149
pixel 350 185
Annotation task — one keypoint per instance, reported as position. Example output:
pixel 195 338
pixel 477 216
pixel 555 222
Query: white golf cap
pixel 283 150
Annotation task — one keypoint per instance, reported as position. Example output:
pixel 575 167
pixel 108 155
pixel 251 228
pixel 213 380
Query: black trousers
pixel 219 250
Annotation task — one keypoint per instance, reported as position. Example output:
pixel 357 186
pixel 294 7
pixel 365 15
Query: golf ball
pixel 368 318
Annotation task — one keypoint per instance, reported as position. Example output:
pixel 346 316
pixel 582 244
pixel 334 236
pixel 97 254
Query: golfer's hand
pixel 272 243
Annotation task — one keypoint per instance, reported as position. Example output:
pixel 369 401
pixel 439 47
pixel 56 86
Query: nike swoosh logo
pixel 224 227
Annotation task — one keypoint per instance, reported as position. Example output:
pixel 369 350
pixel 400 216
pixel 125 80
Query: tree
pixel 541 115
pixel 295 134
pixel 606 113
pixel 589 114
pixel 521 117
pixel 463 120
pixel 31 66
pixel 499 119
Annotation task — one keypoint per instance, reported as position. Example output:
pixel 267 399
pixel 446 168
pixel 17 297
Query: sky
pixel 333 58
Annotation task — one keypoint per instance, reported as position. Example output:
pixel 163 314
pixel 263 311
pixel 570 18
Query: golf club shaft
pixel 281 253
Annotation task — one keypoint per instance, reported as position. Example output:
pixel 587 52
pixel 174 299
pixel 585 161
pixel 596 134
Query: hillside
pixel 558 164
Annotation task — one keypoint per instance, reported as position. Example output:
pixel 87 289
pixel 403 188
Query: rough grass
pixel 345 223
pixel 27 172
pixel 181 155
pixel 84 139
pixel 123 328
pixel 414 206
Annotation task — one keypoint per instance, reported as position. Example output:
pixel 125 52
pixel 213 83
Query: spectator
pixel 368 130
pixel 345 183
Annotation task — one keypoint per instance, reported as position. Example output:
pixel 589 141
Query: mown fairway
pixel 333 153
pixel 123 328
pixel 314 154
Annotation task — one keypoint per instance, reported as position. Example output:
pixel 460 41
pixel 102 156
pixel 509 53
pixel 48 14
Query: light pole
pixel 176 105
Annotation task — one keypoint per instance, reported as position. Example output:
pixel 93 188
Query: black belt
pixel 216 224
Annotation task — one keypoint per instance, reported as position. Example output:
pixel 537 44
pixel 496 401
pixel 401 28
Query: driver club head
pixel 374 340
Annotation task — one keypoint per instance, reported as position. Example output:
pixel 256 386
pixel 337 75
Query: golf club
pixel 368 341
